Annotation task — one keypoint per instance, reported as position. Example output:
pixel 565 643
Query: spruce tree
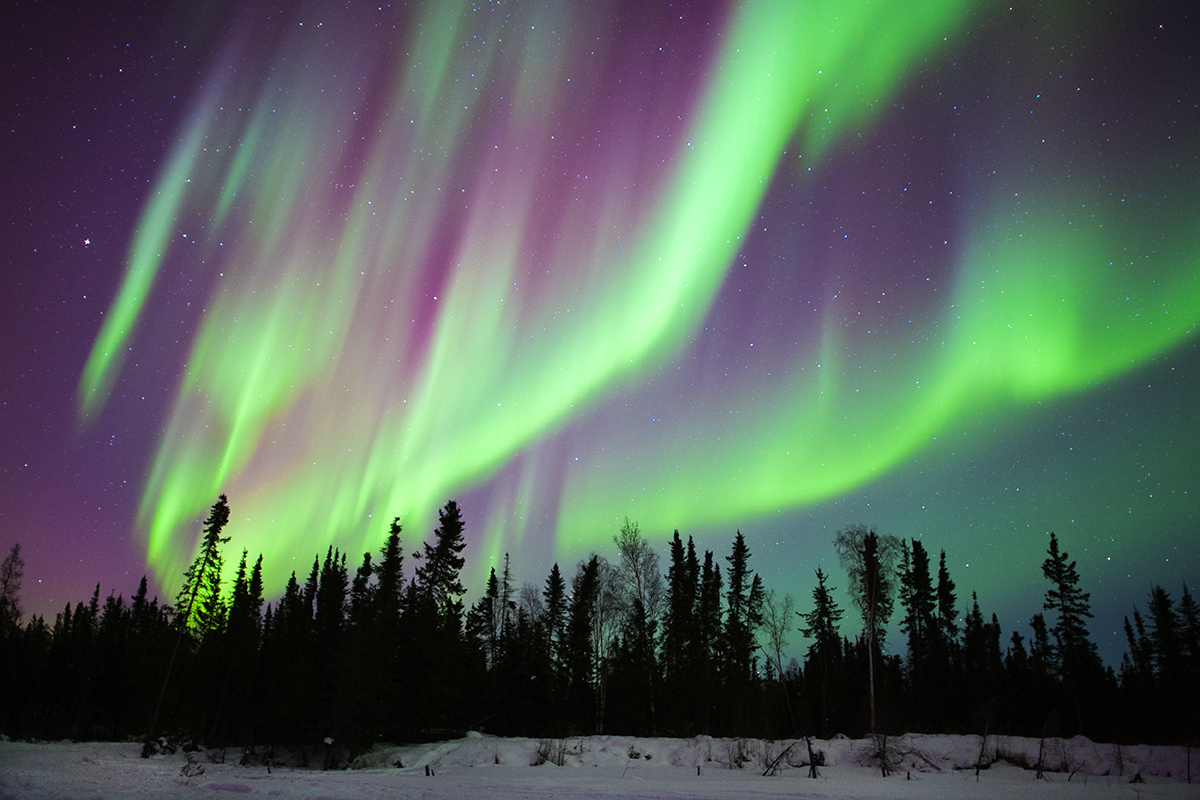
pixel 329 615
pixel 437 658
pixel 361 594
pixel 981 657
pixel 680 607
pixel 947 608
pixel 1189 629
pixel 920 624
pixel 823 660
pixel 1161 665
pixel 1189 635
pixel 193 584
pixel 555 619
pixel 1073 651
pixel 708 646
pixel 1074 654
pixel 1039 646
pixel 743 616
pixel 1138 664
pixel 199 599
pixel 330 705
pixel 245 607
pixel 580 664
pixel 389 593
pixel 503 616
pixel 384 697
pixel 1166 641
pixel 437 578
pixel 481 621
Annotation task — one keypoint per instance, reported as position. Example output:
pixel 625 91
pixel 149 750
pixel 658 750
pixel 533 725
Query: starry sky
pixel 775 267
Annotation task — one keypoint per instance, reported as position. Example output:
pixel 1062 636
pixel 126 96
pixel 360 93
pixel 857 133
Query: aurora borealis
pixel 775 267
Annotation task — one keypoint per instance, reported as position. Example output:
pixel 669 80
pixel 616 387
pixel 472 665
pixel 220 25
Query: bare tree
pixel 11 572
pixel 638 574
pixel 642 594
pixel 776 620
pixel 606 622
pixel 869 559
pixel 529 600
pixel 777 614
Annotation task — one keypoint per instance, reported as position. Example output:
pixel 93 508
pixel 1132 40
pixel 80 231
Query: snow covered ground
pixel 489 768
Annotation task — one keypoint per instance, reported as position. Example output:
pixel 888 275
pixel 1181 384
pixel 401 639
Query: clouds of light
pixel 431 248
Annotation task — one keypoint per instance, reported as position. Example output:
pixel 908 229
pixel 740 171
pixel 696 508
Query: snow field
pixel 486 768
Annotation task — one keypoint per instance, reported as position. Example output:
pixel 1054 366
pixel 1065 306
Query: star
pixel 86 242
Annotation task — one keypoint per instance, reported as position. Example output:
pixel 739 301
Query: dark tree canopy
pixel 623 647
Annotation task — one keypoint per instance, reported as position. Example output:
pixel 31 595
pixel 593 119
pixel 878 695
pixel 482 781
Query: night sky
pixel 779 267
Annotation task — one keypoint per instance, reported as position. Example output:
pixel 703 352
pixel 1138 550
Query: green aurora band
pixel 404 302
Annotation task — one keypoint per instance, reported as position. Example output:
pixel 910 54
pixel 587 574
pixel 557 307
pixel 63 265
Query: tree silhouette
pixel 824 657
pixel 11 572
pixel 193 584
pixel 869 559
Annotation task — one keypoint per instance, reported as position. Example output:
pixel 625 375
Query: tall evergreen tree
pixel 947 606
pixel 555 597
pixel 194 583
pixel 232 652
pixel 330 705
pixel 1166 641
pixel 681 666
pixel 245 607
pixel 920 624
pixel 235 720
pixel 1039 646
pixel 1155 673
pixel 362 592
pixel 482 623
pixel 199 599
pixel 743 617
pixel 982 663
pixel 743 614
pixel 824 658
pixel 437 577
pixel 1140 658
pixel 389 573
pixel 1073 650
pixel 1189 642
pixel 1189 629
pixel 708 646
pixel 1074 654
pixel 504 616
pixel 438 658
pixel 329 615
pixel 384 632
pixel 681 604
pixel 579 662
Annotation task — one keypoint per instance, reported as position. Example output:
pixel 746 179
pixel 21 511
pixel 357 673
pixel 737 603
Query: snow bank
pixel 915 753
pixel 492 768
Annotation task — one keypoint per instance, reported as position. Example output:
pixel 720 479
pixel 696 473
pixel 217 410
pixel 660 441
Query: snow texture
pixel 490 768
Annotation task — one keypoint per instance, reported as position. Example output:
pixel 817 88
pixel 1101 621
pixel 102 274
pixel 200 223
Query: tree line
pixel 390 652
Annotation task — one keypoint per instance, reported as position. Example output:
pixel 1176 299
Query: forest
pixel 391 652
